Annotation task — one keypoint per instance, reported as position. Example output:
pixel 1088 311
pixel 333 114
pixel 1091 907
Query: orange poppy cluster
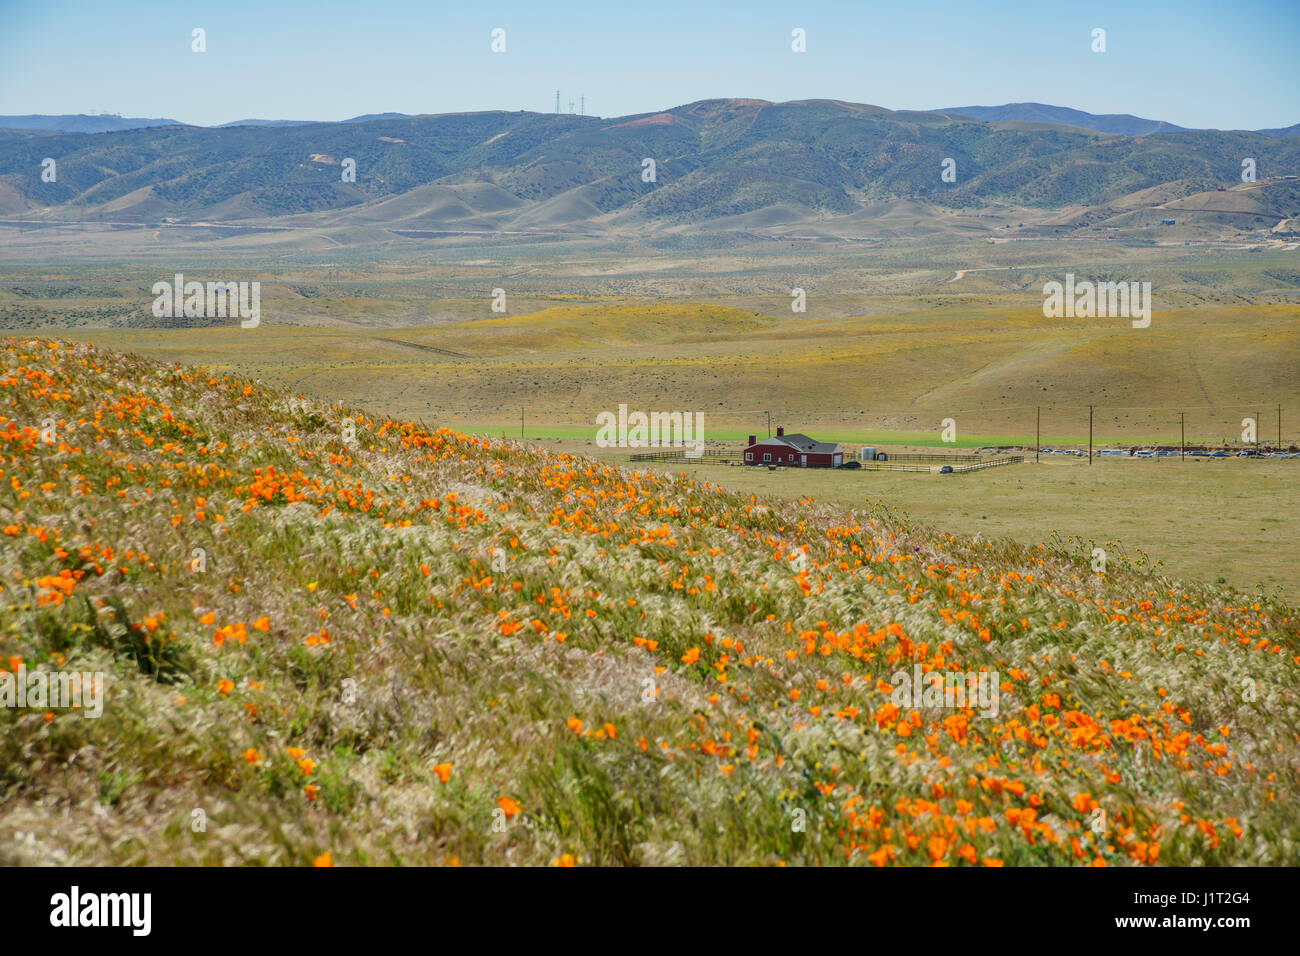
pixel 773 635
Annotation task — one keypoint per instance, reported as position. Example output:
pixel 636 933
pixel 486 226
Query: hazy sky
pixel 1233 65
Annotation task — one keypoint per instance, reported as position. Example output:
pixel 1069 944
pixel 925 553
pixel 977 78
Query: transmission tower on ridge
pixel 557 101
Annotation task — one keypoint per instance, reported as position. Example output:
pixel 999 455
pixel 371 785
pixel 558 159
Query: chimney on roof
pixel 780 431
pixel 753 439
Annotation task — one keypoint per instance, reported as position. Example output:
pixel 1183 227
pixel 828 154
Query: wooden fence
pixel 679 454
pixel 939 458
pixel 990 463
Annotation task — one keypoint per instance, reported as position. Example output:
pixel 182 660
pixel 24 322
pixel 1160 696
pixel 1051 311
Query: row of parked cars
pixel 1168 453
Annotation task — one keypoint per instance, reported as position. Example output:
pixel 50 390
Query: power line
pixel 998 408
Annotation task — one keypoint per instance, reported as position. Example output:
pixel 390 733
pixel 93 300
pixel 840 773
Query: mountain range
pixel 1122 123
pixel 739 163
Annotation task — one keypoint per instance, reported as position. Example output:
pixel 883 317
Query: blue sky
pixel 1190 62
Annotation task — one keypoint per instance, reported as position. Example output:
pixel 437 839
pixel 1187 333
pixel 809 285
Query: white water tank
pixel 867 453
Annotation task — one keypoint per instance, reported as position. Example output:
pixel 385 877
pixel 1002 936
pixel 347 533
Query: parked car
pixel 1218 454
pixel 1112 452
pixel 1246 453
pixel 1166 453
pixel 1144 453
pixel 946 470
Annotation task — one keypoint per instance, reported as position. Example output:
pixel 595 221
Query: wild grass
pixel 332 637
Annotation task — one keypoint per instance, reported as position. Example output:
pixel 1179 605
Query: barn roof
pixel 803 444
pixel 811 446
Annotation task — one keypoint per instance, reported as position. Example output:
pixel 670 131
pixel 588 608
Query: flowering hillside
pixel 326 637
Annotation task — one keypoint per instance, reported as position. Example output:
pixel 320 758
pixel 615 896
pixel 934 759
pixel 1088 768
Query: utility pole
pixel 769 424
pixel 1090 434
pixel 557 101
pixel 1279 426
pixel 1182 427
pixel 1038 433
pixel 521 423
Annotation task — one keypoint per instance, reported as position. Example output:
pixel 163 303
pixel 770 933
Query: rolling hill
pixel 715 161
pixel 1282 132
pixel 342 638
pixel 1121 123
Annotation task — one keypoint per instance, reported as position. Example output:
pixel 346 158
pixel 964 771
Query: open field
pixel 985 366
pixel 347 639
pixel 887 377
pixel 1232 520
pixel 97 275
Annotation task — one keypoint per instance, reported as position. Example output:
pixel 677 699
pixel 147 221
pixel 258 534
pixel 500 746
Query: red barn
pixel 794 451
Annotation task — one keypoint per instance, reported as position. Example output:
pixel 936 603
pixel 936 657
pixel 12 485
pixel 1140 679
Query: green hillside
pixel 331 637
